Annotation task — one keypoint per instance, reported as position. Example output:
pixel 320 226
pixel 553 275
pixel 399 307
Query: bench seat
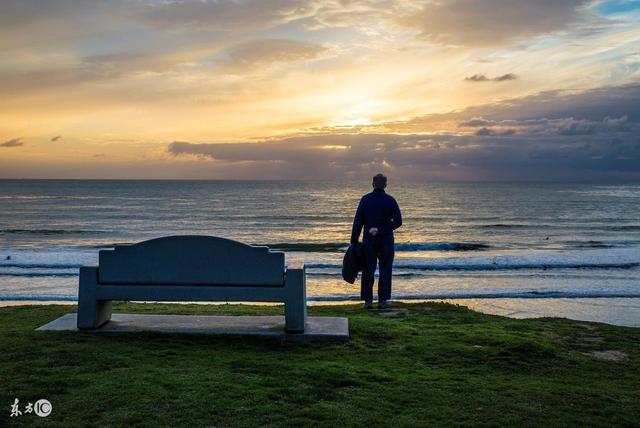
pixel 191 268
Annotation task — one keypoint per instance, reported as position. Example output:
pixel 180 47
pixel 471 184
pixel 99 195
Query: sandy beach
pixel 615 311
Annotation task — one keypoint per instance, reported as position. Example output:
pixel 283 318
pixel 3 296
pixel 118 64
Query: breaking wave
pixel 341 246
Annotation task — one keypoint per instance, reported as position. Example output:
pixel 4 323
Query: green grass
pixel 429 364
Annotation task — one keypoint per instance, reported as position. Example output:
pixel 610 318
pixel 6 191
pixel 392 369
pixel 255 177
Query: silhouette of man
pixel 379 214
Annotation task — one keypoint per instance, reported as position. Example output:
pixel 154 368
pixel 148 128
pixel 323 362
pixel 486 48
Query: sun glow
pixel 359 111
pixel 334 147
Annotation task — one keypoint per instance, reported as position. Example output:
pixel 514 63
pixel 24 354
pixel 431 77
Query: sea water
pixel 458 240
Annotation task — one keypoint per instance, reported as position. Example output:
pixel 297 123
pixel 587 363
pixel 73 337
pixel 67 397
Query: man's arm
pixel 357 224
pixel 396 220
pixel 397 216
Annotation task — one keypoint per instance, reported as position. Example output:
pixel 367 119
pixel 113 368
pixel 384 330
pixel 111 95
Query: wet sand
pixel 616 311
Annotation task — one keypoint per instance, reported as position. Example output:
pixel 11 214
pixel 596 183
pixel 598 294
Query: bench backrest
pixel 191 260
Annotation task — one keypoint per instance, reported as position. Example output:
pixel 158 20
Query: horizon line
pixel 319 180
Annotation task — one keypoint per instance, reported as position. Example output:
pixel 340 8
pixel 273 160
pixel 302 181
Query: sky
pixel 461 90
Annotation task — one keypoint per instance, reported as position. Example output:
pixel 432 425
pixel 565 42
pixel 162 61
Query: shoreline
pixel 621 311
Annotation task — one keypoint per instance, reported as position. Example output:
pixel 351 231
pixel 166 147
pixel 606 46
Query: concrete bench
pixel 190 268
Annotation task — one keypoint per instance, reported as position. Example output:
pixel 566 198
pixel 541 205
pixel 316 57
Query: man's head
pixel 379 181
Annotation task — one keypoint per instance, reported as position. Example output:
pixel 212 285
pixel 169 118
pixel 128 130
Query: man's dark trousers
pixel 381 254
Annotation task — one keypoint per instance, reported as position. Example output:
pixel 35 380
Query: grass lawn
pixel 428 364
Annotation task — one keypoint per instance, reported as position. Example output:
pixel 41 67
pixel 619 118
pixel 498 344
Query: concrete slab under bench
pixel 317 328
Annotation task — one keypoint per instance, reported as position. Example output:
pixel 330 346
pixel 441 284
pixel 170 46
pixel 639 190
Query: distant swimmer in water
pixel 8 257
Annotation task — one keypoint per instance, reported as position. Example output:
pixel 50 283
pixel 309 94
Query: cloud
pixel 506 144
pixel 270 51
pixel 571 126
pixel 117 64
pixel 476 121
pixel 56 138
pixel 52 23
pixel 615 105
pixel 14 142
pixel 482 23
pixel 567 126
pixel 483 78
pixel 483 132
pixel 220 15
pixel 508 76
pixel 477 78
pixel 157 52
pixel 294 149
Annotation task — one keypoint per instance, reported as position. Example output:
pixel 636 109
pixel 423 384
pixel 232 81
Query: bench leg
pixel 92 313
pixel 295 305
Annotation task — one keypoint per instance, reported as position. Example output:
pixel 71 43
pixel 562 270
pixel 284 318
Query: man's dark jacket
pixel 352 263
pixel 376 209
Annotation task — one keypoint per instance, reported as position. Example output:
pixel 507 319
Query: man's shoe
pixel 385 304
pixel 367 305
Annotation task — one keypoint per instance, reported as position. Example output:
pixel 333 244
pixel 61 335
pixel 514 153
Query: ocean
pixel 458 240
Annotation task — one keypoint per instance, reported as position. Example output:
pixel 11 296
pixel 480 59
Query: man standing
pixel 379 214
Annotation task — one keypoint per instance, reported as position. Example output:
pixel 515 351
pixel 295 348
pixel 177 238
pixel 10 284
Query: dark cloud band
pixel 14 142
pixel 579 139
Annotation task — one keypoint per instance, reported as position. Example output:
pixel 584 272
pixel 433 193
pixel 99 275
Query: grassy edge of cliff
pixel 427 364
